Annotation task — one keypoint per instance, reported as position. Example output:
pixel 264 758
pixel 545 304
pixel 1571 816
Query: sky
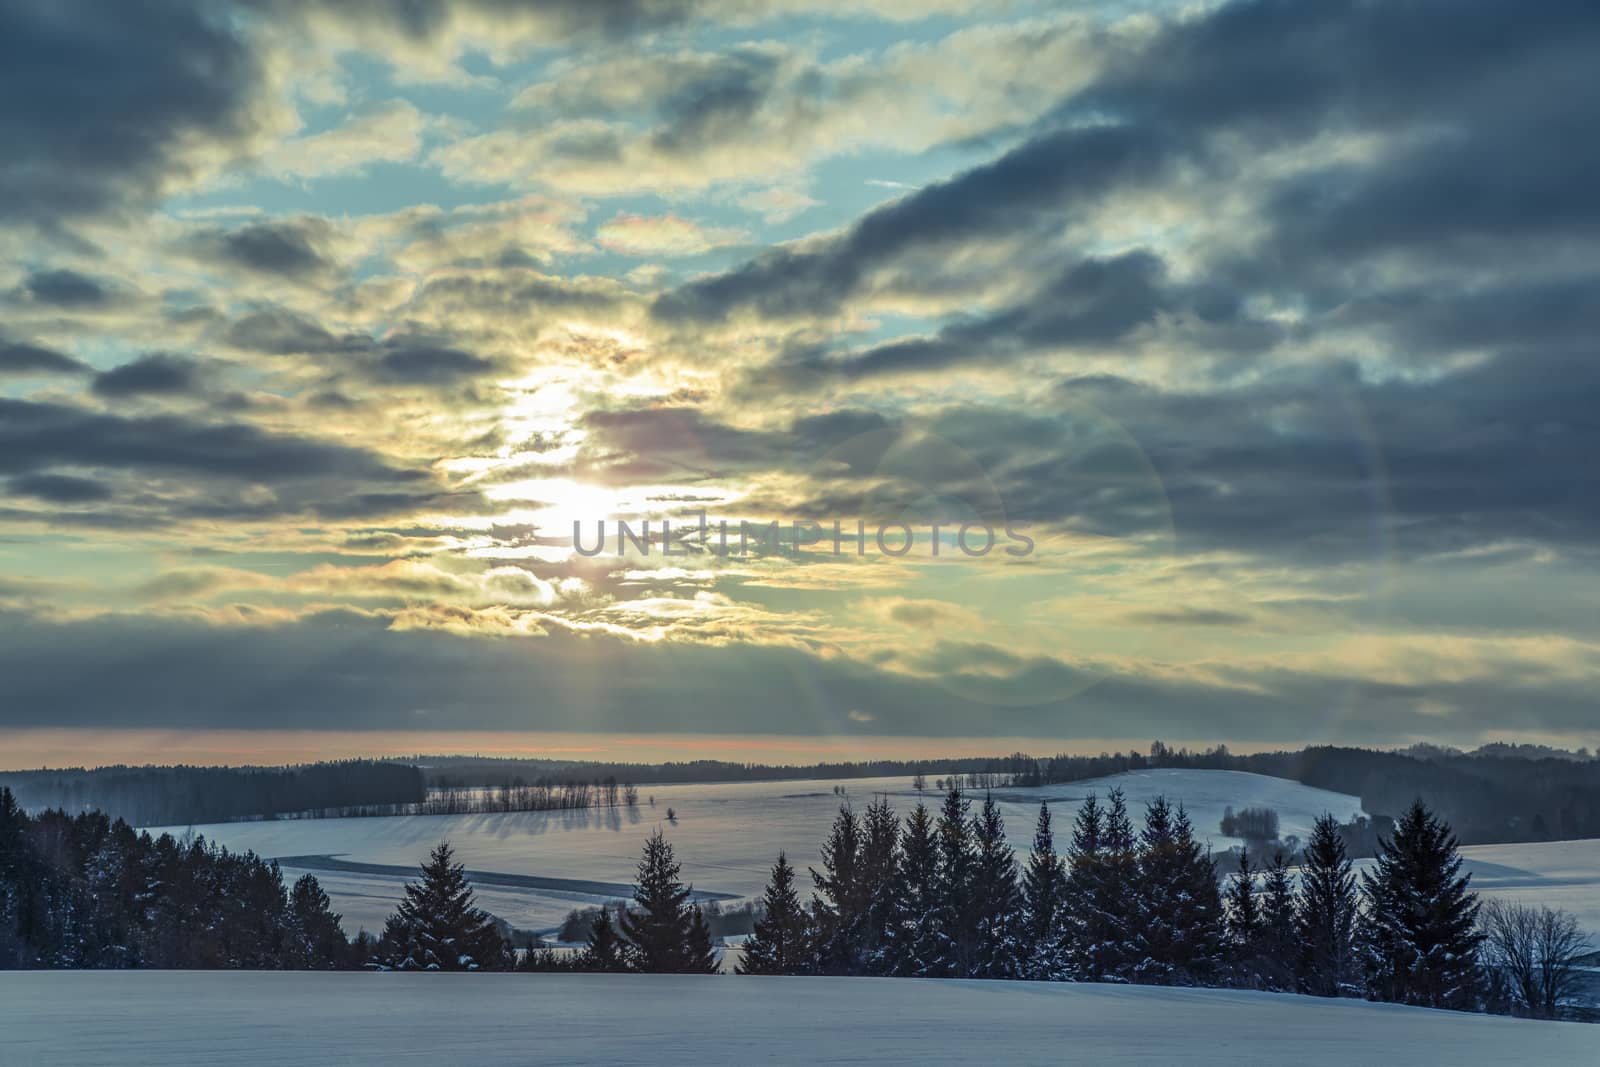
pixel 1214 371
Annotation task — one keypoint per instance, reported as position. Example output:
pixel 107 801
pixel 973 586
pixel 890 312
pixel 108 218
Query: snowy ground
pixel 250 1019
pixel 1556 874
pixel 726 835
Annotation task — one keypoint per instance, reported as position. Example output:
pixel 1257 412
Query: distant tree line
pixel 87 891
pixel 178 796
pixel 1497 794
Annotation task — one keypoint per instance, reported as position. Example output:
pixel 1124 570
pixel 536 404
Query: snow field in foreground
pixel 248 1019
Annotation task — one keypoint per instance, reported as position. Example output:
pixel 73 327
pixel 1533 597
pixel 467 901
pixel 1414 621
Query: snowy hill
pixel 726 835
pixel 247 1019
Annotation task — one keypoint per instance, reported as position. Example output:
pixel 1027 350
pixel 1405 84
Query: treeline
pixel 943 897
pixel 457 771
pixel 544 794
pixel 87 891
pixel 1488 797
pixel 177 796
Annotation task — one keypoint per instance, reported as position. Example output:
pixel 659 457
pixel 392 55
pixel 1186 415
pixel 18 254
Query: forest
pixel 931 896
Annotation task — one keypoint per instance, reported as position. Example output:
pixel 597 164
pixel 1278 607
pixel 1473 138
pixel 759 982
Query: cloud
pixel 104 110
pixel 24 359
pixel 66 289
pixel 60 488
pixel 661 235
pixel 389 133
pixel 296 249
pixel 151 375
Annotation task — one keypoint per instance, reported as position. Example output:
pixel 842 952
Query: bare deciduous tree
pixel 1534 951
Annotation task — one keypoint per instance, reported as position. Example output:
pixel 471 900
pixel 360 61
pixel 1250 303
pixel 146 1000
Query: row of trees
pixel 189 796
pixel 87 891
pixel 944 897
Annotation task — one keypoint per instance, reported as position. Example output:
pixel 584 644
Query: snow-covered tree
pixel 1177 937
pixel 436 926
pixel 910 945
pixel 1326 913
pixel 955 913
pixel 997 901
pixel 1044 890
pixel 1102 870
pixel 1420 942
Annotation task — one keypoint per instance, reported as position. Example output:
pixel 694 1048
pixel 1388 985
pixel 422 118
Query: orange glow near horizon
pixel 22 749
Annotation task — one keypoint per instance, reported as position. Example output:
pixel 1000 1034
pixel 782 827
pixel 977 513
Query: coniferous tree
pixel 955 915
pixel 606 950
pixel 316 941
pixel 879 874
pixel 911 944
pixel 1280 945
pixel 658 929
pixel 1244 924
pixel 1044 891
pixel 1420 943
pixel 1102 873
pixel 778 944
pixel 997 901
pixel 699 954
pixel 1178 932
pixel 838 911
pixel 436 927
pixel 1326 913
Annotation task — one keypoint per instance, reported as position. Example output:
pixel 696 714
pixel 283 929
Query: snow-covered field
pixel 726 836
pixel 1556 874
pixel 249 1019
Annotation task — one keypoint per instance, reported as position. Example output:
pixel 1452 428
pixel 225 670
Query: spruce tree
pixel 1178 933
pixel 1421 943
pixel 699 954
pixel 955 916
pixel 1326 913
pixel 316 940
pixel 1101 880
pixel 658 929
pixel 436 927
pixel 1280 943
pixel 606 950
pixel 839 908
pixel 1044 890
pixel 1244 924
pixel 879 875
pixel 779 944
pixel 911 945
pixel 997 902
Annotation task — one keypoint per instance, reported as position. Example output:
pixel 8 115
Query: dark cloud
pixel 18 358
pixel 419 362
pixel 60 488
pixel 1035 187
pixel 343 670
pixel 37 435
pixel 101 104
pixel 717 105
pixel 157 374
pixel 66 289
pixel 292 248
pixel 277 331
